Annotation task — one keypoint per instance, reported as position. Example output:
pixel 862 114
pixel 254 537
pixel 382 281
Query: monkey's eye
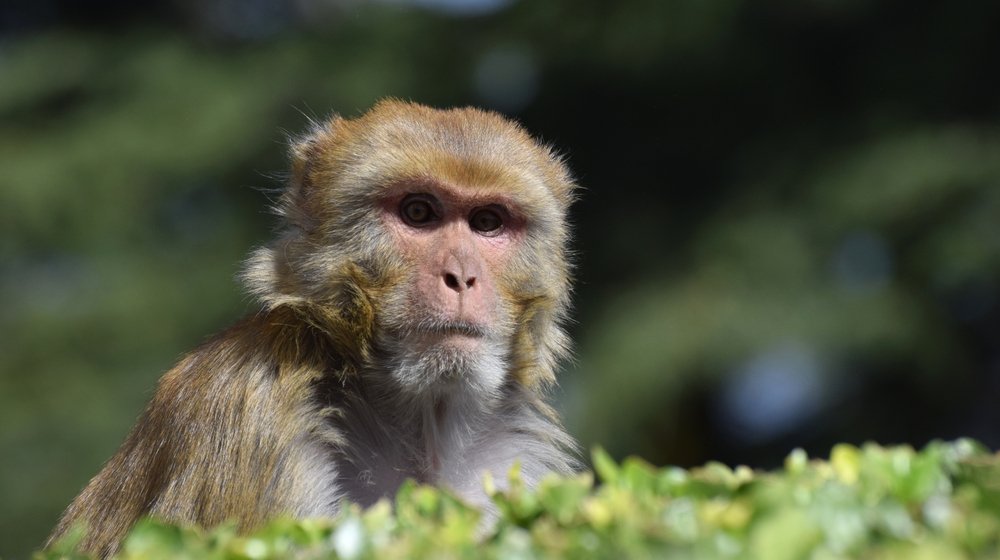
pixel 486 220
pixel 417 211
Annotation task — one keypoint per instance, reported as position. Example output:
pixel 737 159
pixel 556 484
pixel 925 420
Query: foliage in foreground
pixel 942 502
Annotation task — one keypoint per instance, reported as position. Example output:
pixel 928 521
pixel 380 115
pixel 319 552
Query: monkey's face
pixel 432 242
pixel 451 321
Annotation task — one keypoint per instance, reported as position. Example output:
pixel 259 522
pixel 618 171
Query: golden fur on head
pixel 342 167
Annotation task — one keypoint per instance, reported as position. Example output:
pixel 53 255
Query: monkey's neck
pixel 424 433
pixel 433 434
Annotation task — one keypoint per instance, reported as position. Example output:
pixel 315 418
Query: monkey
pixel 408 322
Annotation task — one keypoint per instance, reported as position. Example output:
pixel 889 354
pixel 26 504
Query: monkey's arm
pixel 232 433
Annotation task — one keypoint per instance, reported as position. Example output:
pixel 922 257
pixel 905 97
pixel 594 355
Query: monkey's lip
pixel 453 328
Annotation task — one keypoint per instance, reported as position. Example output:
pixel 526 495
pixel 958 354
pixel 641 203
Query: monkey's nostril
pixel 470 282
pixel 451 281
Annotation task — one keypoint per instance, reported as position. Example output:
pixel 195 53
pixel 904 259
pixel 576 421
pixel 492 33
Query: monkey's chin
pixel 461 343
pixel 450 362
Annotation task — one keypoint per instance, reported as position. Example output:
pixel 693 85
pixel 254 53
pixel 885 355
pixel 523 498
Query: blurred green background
pixel 789 234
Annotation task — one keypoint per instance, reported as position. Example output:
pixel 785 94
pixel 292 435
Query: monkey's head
pixel 430 241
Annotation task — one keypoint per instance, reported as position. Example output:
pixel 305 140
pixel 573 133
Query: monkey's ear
pixel 301 150
pixel 299 203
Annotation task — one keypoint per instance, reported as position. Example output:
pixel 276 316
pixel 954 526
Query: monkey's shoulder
pixel 262 361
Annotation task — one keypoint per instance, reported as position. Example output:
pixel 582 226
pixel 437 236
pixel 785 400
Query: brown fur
pixel 236 430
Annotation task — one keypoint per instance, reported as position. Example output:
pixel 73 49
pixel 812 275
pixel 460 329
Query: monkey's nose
pixel 452 281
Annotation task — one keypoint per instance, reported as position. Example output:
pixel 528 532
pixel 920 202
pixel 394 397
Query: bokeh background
pixel 789 234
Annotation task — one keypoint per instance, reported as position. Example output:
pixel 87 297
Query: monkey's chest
pixel 378 464
pixel 376 473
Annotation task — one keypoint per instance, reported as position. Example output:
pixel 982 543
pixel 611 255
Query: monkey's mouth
pixel 438 334
pixel 452 328
pixel 433 330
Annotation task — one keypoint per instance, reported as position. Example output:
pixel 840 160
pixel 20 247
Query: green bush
pixel 873 502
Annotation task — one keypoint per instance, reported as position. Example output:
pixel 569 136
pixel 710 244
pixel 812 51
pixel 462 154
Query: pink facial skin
pixel 457 242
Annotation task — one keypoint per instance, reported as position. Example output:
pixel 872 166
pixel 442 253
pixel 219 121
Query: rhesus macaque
pixel 409 324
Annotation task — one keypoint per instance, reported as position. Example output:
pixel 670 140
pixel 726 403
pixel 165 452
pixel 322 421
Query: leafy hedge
pixel 939 503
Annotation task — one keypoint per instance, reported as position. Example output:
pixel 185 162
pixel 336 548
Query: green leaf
pixel 604 465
